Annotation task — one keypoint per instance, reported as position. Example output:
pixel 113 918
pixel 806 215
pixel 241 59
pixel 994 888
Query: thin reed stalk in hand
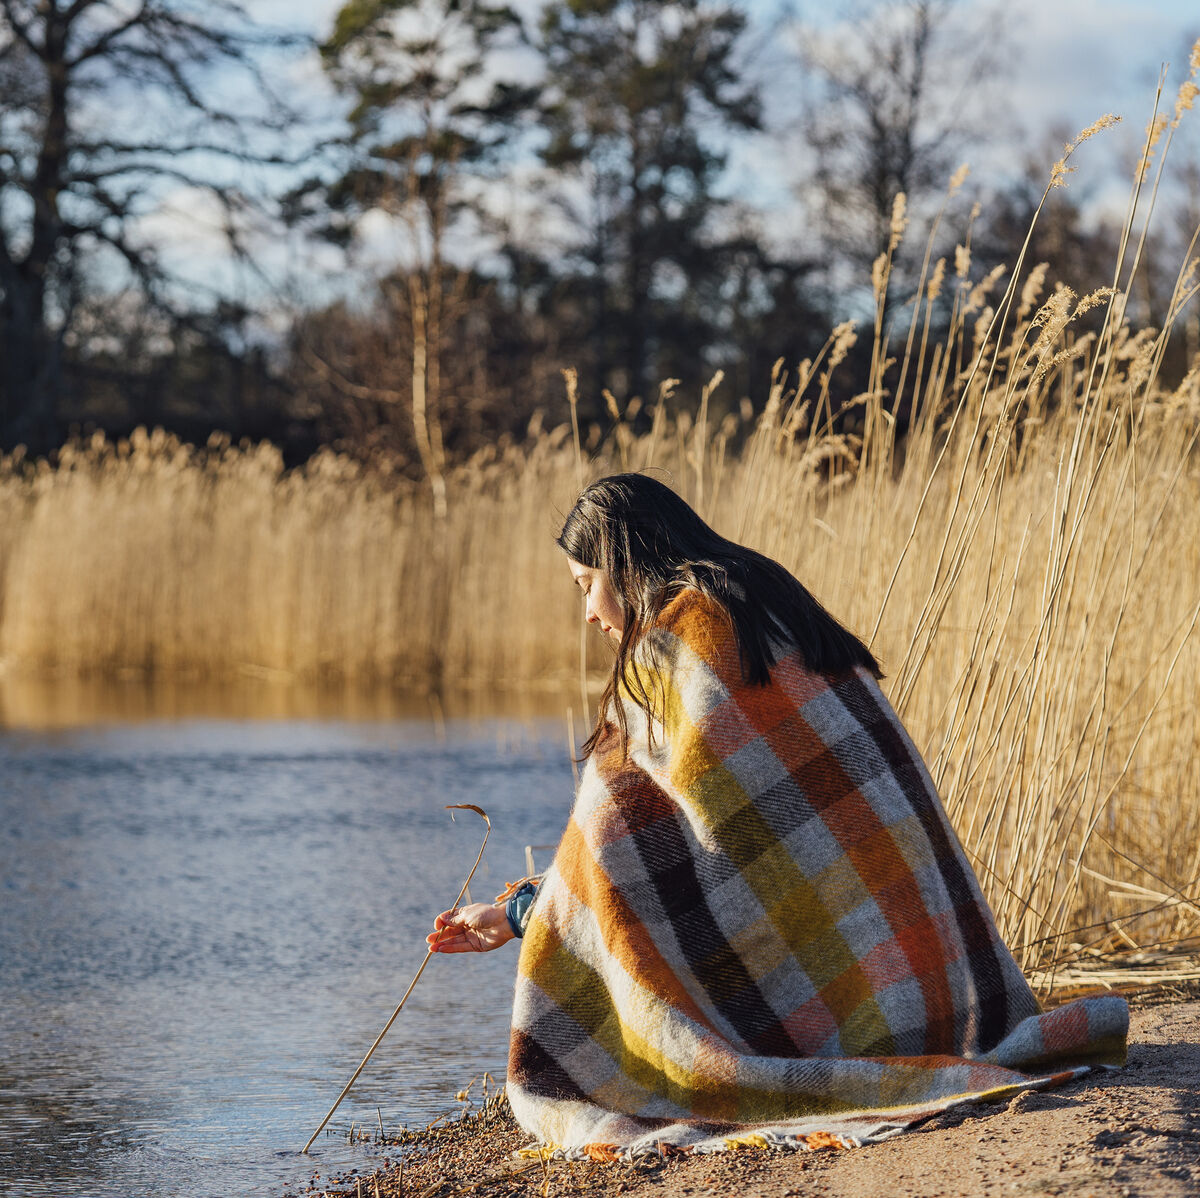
pixel 452 807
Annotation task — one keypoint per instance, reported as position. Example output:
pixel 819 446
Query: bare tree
pixel 896 87
pixel 105 105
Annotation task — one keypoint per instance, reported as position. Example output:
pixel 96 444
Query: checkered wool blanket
pixel 759 928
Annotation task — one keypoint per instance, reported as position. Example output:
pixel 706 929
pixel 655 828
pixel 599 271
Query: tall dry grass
pixel 1025 561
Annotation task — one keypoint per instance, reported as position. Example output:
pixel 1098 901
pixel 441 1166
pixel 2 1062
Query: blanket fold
pixel 759 927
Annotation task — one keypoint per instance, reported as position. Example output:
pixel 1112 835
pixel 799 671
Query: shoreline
pixel 1133 1133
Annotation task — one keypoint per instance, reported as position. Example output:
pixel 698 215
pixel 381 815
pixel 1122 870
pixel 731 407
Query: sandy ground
pixel 1130 1133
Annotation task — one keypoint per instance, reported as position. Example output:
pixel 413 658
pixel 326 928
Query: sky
pixel 1071 59
pixel 1060 65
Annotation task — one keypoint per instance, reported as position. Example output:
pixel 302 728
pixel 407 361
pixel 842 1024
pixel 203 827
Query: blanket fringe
pixel 614 1154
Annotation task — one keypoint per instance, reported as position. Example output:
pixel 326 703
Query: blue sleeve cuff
pixel 516 909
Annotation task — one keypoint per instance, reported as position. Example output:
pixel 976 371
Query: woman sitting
pixel 759 926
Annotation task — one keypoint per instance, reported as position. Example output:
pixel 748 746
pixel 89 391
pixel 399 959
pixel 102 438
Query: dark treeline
pixel 562 192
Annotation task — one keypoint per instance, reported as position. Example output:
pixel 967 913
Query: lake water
pixel 204 924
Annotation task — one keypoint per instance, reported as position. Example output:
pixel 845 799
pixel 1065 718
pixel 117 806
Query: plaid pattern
pixel 759 927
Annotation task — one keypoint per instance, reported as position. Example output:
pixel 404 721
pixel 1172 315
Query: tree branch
pixel 106 40
pixel 214 149
pixel 79 7
pixel 352 390
pixel 19 27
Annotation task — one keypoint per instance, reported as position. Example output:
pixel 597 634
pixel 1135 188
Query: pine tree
pixel 428 120
pixel 641 95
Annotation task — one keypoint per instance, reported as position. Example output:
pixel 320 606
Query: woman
pixel 759 926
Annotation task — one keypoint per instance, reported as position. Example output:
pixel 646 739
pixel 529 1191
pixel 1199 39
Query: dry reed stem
pixel 465 889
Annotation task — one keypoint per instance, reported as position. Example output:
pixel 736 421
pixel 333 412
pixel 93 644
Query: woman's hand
pixel 476 928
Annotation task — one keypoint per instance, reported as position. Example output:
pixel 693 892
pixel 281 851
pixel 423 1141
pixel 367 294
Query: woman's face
pixel 603 606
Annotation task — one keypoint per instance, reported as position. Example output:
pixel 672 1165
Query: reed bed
pixel 1009 513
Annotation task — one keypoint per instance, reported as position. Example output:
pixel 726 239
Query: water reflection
pixel 206 923
pixel 44 703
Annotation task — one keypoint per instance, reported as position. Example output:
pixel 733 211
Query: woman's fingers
pixel 458 945
pixel 444 927
pixel 453 940
pixel 451 934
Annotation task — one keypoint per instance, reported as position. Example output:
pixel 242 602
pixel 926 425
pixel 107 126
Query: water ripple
pixel 205 924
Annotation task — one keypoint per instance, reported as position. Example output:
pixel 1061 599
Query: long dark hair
pixel 652 544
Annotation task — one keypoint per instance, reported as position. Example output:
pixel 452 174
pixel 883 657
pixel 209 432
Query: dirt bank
pixel 1132 1134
